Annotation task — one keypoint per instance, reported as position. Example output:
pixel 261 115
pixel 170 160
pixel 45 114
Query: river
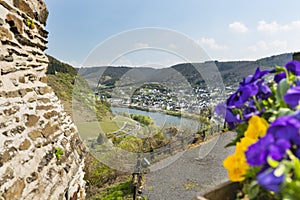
pixel 161 119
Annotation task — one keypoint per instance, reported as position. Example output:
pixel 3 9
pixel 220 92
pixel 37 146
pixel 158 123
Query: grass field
pixel 92 129
pixel 120 120
pixel 109 126
pixel 88 130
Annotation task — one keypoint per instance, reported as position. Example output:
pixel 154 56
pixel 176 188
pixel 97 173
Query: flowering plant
pixel 264 112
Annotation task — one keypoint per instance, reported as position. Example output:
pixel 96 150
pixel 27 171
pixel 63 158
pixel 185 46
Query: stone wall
pixel 33 124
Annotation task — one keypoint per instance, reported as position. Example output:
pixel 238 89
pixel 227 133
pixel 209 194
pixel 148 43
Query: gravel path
pixel 189 174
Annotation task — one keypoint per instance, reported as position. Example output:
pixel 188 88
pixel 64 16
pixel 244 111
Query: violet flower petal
pixel 293 66
pixel 292 96
pixel 268 180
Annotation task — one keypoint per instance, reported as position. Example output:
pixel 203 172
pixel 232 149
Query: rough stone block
pixel 43 33
pixel 15 23
pixel 45 161
pixel 44 79
pixel 11 111
pixel 14 81
pixel 10 43
pixel 5 34
pixel 35 134
pixel 17 130
pixel 15 191
pixel 32 77
pixel 44 100
pixel 7 58
pixel 51 114
pixel 8 175
pixel 25 145
pixel 23 6
pixel 11 94
pixel 33 177
pixel 49 130
pixel 43 16
pixel 43 90
pixel 43 107
pixel 22 79
pixel 17 52
pixel 29 59
pixel 7 69
pixel 6 5
pixel 31 120
pixel 8 155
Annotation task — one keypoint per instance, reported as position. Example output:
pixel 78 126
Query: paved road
pixel 189 174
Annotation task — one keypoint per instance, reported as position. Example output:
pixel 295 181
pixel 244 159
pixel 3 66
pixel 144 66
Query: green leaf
pixel 282 87
pixel 272 118
pixel 292 78
pixel 251 172
pixel 296 163
pixel 291 191
pixel 297 169
pixel 240 129
pixel 253 190
pixel 279 69
pixel 270 115
pixel 284 111
pixel 58 152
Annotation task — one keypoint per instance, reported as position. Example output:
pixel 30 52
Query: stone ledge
pixel 224 191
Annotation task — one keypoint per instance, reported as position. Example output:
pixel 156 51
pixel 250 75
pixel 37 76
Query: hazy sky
pixel 226 30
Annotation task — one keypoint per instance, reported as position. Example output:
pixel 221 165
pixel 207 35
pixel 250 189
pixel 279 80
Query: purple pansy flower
pixel 282 134
pixel 297 152
pixel 248 91
pixel 242 99
pixel 239 98
pixel 222 110
pixel 293 66
pixel 250 110
pixel 268 180
pixel 225 112
pixel 234 101
pixel 278 149
pixel 257 153
pixel 286 127
pixel 279 77
pixel 252 78
pixel 292 96
pixel 264 90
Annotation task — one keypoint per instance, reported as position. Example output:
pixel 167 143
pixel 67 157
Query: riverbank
pixel 167 112
pixel 162 119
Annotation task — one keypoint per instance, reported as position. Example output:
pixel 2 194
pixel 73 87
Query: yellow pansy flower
pixel 236 166
pixel 257 127
pixel 243 145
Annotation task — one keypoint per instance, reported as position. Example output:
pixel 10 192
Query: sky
pixel 224 30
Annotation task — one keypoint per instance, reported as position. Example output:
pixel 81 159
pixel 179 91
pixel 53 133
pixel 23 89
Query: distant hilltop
pixel 231 71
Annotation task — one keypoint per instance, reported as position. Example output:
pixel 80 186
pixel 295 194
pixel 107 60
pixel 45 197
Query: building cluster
pixel 190 101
